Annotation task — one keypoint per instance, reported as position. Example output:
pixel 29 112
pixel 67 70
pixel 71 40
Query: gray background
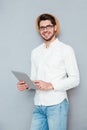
pixel 18 36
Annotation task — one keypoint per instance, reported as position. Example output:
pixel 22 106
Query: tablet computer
pixel 21 76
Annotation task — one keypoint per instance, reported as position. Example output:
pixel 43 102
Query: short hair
pixel 50 17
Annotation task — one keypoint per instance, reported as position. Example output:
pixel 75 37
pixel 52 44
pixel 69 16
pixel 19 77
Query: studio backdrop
pixel 18 36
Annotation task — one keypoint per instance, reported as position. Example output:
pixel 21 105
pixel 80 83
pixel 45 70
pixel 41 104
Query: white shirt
pixel 57 65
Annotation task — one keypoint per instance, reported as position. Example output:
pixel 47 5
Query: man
pixel 54 71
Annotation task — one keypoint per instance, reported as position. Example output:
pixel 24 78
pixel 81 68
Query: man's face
pixel 47 30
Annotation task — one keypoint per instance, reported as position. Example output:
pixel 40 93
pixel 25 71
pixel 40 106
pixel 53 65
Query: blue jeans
pixel 50 117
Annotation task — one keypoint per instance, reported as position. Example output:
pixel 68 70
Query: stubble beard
pixel 49 39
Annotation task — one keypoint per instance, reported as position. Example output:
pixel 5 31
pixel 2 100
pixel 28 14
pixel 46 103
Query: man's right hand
pixel 21 85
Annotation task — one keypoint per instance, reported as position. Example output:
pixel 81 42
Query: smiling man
pixel 54 70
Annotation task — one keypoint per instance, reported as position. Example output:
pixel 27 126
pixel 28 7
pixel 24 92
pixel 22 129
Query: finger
pixel 22 87
pixel 36 82
pixel 20 82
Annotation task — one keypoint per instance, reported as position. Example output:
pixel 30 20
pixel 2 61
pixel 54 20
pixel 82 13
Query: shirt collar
pixel 52 44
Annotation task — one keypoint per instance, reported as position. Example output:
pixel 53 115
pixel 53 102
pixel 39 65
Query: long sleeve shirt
pixel 56 64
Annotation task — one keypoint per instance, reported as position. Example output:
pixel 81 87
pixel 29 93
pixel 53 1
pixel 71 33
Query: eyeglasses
pixel 48 27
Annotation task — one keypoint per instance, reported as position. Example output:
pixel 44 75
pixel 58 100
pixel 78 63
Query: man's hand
pixel 42 85
pixel 21 85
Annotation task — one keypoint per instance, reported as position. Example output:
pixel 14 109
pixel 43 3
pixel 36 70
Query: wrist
pixel 51 86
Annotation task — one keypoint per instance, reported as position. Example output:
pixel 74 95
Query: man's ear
pixel 55 28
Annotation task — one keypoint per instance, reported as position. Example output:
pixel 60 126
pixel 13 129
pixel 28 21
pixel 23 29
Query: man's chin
pixel 47 39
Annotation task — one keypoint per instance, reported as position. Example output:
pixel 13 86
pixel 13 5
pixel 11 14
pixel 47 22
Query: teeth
pixel 46 35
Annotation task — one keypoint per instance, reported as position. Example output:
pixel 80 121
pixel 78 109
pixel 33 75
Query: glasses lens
pixel 48 27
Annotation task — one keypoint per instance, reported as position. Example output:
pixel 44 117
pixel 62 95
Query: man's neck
pixel 47 43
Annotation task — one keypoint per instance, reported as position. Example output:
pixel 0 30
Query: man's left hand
pixel 42 85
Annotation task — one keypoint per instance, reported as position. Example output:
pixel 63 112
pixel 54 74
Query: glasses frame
pixel 47 27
